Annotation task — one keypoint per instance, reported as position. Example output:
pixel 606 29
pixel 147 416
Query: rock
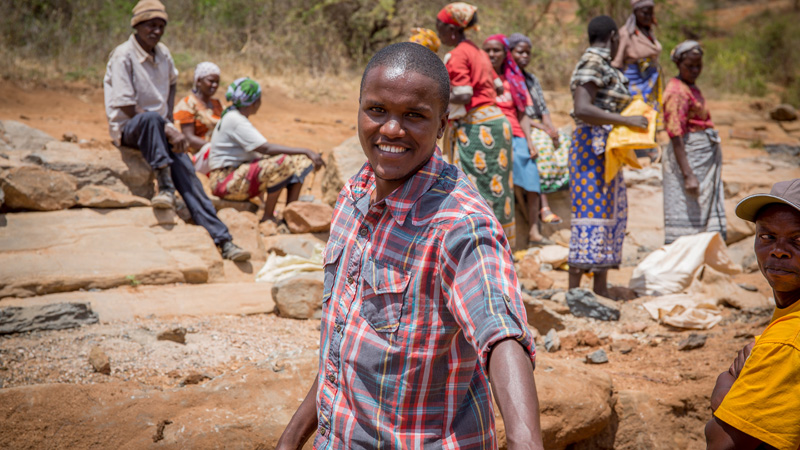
pixel 294 244
pixel 343 162
pixel 598 357
pixel 299 297
pixel 539 316
pixel 528 266
pixel 747 287
pixel 583 303
pixel 555 255
pixel 552 343
pixel 634 327
pixel 650 176
pixel 19 136
pixel 33 188
pixel 92 196
pixel 175 335
pixel 742 253
pixel 268 228
pixel 783 113
pixel 720 288
pixel 737 229
pixel 195 378
pixel 69 137
pixel 791 127
pixel 121 169
pixel 621 347
pixel 622 293
pixel 244 229
pixel 694 341
pixel 99 361
pixel 539 282
pixel 587 338
pixel 17 319
pixel 559 297
pixel 306 217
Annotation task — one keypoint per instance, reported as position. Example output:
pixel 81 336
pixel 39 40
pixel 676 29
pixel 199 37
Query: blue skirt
pixel 599 209
pixel 526 174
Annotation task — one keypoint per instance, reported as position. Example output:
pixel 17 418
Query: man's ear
pixel 443 123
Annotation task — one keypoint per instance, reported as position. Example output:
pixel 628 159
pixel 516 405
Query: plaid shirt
pixel 418 287
pixel 612 86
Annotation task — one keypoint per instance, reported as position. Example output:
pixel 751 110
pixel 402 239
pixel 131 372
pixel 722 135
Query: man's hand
pixel 741 358
pixel 179 142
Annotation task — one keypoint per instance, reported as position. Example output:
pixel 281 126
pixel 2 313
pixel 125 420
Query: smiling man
pixel 421 306
pixel 757 400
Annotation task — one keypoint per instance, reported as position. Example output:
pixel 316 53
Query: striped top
pixel 418 287
pixel 612 86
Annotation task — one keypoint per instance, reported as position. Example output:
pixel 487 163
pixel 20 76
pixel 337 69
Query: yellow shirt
pixel 764 401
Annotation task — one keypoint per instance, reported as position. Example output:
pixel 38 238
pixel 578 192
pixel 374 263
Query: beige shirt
pixel 634 47
pixel 135 77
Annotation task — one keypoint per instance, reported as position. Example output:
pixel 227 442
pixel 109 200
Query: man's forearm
pixel 303 423
pixel 514 388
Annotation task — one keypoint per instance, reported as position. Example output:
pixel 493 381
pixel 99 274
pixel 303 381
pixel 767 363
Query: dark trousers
pixel 146 133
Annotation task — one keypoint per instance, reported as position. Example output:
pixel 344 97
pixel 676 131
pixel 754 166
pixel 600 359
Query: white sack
pixel 684 311
pixel 279 268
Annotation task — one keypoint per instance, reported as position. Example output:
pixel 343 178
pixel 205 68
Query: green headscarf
pixel 242 93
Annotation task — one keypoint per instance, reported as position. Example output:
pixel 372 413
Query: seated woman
pixel 694 199
pixel 550 145
pixel 513 102
pixel 199 112
pixel 244 165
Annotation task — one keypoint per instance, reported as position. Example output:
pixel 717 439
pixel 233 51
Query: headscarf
pixel 630 24
pixel 683 49
pixel 242 93
pixel 203 70
pixel 426 37
pixel 459 14
pixel 517 38
pixel 512 74
pixel 146 10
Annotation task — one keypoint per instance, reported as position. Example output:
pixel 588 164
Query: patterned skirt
pixel 645 80
pixel 599 209
pixel 268 174
pixel 484 153
pixel 553 163
pixel 685 214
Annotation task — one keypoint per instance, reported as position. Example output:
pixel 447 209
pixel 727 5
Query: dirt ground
pixel 678 382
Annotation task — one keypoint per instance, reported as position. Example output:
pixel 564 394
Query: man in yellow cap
pixel 139 88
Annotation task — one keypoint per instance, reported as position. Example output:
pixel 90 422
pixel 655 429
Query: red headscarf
pixel 512 73
pixel 459 14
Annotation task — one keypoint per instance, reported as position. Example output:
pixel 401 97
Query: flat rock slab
pixel 165 301
pixel 61 251
pixel 56 316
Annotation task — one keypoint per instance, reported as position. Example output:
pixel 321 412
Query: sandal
pixel 548 216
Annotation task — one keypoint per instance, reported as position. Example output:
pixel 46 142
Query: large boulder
pixel 58 316
pixel 783 113
pixel 299 297
pixel 93 196
pixel 307 217
pixel 18 136
pixel 243 226
pixel 343 162
pixel 293 244
pixel 35 188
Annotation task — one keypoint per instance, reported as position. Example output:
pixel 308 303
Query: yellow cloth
pixel 622 141
pixel 765 399
pixel 426 37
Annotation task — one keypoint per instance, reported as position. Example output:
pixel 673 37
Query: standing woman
pixel 599 209
pixel 199 112
pixel 638 54
pixel 550 146
pixel 481 134
pixel 692 165
pixel 514 100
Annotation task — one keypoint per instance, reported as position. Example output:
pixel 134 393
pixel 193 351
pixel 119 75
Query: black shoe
pixel 234 252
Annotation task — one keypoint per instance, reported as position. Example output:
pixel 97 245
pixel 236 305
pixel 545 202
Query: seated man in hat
pixel 139 88
pixel 756 403
pixel 421 307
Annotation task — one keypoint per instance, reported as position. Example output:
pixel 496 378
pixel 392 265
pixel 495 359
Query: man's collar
pixel 604 53
pixel 402 199
pixel 141 54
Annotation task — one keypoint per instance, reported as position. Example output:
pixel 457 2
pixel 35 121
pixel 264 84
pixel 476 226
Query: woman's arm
pixel 271 149
pixel 195 142
pixel 689 179
pixel 586 111
pixel 525 123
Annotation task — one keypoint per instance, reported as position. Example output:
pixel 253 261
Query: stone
pixel 621 347
pixel 299 297
pixel 344 161
pixel 69 137
pixel 294 244
pixel 791 127
pixel 268 228
pixel 742 253
pixel 598 357
pixel 622 293
pixel 694 341
pixel 19 136
pixel 34 188
pixel 99 361
pixel 783 113
pixel 552 343
pixel 583 303
pixel 528 267
pixel 587 338
pixel 195 378
pixel 92 196
pixel 306 217
pixel 541 317
pixel 555 255
pixel 175 335
pixel 559 297
pixel 721 289
pixel 21 319
pixel 634 327
pixel 243 226
pixel 121 169
pixel 736 228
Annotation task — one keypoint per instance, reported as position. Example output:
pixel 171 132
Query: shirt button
pixel 338 328
pixel 332 378
pixel 322 430
pixel 506 298
pixel 350 280
pixel 363 231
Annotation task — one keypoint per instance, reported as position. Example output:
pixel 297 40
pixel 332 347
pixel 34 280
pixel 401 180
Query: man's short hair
pixel 600 29
pixel 416 58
